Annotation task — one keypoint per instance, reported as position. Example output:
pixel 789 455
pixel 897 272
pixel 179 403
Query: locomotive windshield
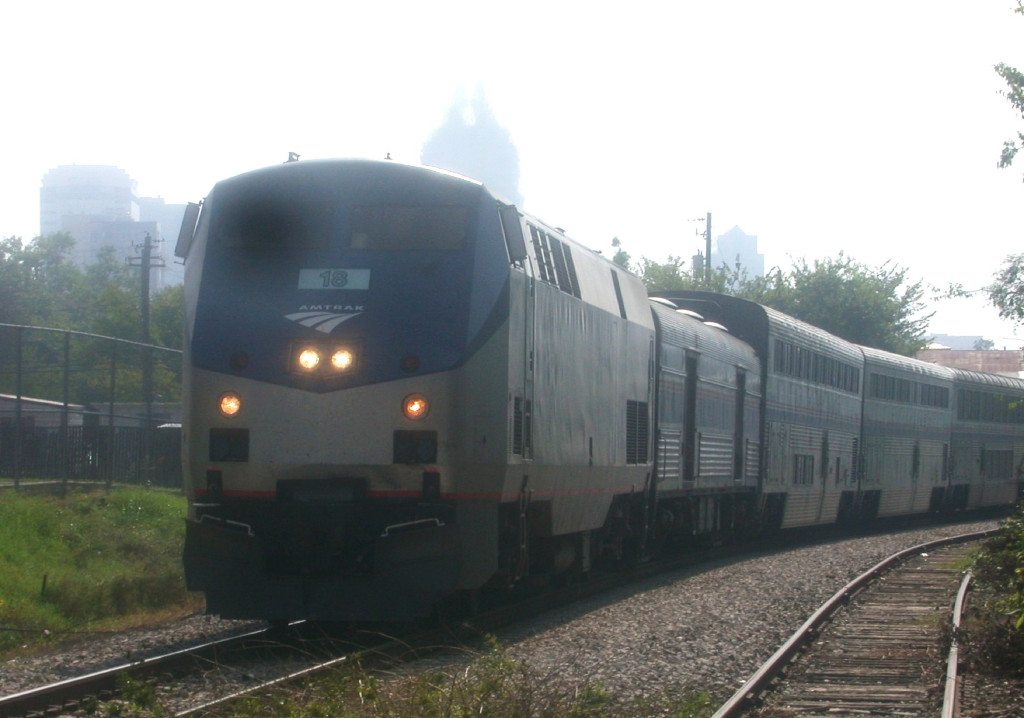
pixel 261 225
pixel 387 267
pixel 404 228
pixel 270 226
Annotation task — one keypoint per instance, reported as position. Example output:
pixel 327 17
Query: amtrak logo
pixel 325 322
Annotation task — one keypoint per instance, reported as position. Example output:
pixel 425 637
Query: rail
pixel 758 682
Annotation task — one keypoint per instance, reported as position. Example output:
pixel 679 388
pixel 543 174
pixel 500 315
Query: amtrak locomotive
pixel 400 389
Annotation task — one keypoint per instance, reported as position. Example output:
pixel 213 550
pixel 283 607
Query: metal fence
pixel 84 407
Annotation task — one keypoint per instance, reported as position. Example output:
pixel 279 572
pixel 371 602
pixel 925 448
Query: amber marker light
pixel 415 406
pixel 230 403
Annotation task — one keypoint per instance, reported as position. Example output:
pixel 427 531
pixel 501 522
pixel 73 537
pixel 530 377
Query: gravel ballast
pixel 704 629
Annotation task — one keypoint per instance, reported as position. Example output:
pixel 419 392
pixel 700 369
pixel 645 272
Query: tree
pixel 40 286
pixel 106 300
pixel 672 274
pixel 1006 293
pixel 167 316
pixel 1015 94
pixel 35 278
pixel 15 282
pixel 665 276
pixel 621 257
pixel 877 307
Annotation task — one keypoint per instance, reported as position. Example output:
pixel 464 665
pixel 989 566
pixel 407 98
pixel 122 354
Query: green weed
pixel 79 562
pixel 495 683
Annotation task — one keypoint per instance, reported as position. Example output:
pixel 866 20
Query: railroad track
pixel 284 656
pixel 80 691
pixel 875 648
pixel 229 653
pixel 294 649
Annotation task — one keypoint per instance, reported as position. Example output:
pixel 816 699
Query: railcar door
pixel 738 441
pixel 690 436
pixel 823 475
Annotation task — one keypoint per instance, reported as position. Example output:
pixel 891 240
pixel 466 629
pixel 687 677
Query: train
pixel 401 390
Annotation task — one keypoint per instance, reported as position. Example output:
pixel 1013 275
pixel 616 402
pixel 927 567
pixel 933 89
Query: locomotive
pixel 399 388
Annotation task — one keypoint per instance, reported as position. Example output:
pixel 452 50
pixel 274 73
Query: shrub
pixel 1001 566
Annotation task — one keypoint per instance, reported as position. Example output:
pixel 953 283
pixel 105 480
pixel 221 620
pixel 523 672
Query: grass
pixel 88 562
pixel 489 683
pixel 493 683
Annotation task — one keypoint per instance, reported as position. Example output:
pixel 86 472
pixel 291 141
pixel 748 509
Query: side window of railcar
pixel 554 262
pixel 937 396
pixel 973 405
pixel 802 363
pixel 671 395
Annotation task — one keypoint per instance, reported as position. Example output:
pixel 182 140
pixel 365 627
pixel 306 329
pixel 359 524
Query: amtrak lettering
pixel 347 308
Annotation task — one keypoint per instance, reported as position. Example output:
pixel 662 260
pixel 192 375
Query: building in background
pixel 473 143
pixel 1009 362
pixel 99 206
pixel 99 191
pixel 738 246
pixel 951 341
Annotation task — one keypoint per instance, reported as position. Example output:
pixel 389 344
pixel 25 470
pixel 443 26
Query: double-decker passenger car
pixel 987 439
pixel 810 412
pixel 906 435
pixel 708 456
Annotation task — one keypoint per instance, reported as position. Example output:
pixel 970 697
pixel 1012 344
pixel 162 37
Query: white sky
pixel 871 128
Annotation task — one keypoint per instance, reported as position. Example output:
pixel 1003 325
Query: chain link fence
pixel 84 407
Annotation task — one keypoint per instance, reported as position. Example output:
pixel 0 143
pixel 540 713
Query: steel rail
pixel 757 683
pixel 951 696
pixel 387 648
pixel 109 681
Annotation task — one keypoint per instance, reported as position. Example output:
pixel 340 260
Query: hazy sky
pixel 871 128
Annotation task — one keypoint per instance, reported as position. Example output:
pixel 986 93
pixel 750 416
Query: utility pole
pixel 707 248
pixel 707 251
pixel 146 263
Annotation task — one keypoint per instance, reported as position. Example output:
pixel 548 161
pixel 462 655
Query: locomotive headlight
pixel 415 406
pixel 342 359
pixel 324 360
pixel 309 359
pixel 230 403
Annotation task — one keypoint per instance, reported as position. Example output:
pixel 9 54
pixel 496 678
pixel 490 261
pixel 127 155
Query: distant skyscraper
pixel 99 206
pixel 98 191
pixel 735 245
pixel 472 143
